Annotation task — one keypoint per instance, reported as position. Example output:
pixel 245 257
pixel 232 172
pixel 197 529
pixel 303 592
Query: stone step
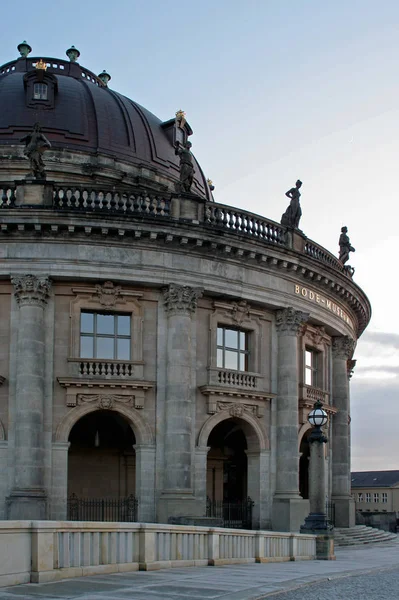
pixel 361 534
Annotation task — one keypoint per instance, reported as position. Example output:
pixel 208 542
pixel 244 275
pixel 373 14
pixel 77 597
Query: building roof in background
pixel 374 478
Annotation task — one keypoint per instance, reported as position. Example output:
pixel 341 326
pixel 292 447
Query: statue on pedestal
pixel 293 213
pixel 35 144
pixel 344 245
pixel 186 167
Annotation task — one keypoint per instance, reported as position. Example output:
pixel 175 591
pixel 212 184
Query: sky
pixel 275 90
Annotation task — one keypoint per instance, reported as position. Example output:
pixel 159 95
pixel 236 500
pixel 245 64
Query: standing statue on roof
pixel 35 144
pixel 293 213
pixel 186 167
pixel 344 245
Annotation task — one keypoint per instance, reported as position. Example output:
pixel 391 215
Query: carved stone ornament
pixel 343 347
pixel 350 365
pixel 241 311
pixel 31 289
pixel 236 409
pixel 104 401
pixel 108 294
pixel 181 298
pixel 290 321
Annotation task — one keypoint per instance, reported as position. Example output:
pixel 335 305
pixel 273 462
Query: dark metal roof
pixel 370 479
pixel 88 116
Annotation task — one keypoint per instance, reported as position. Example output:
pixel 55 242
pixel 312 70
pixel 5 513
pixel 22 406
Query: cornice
pixel 67 382
pixel 215 390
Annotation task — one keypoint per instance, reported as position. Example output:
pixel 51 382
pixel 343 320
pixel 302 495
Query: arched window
pixel 40 91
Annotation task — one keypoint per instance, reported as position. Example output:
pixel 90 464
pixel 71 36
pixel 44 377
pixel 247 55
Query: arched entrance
pixel 304 453
pixel 101 468
pixel 227 465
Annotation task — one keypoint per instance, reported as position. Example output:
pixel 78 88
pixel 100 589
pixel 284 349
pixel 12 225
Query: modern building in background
pixel 156 345
pixel 376 491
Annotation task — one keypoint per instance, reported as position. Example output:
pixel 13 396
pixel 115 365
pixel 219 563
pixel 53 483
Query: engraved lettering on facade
pixel 319 299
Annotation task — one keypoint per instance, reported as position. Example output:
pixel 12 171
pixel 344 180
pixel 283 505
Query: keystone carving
pixel 181 298
pixel 241 311
pixel 108 294
pixel 343 347
pixel 290 321
pixel 31 289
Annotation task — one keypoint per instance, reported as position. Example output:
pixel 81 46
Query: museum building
pixel 160 351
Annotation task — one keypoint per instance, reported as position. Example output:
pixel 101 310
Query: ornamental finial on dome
pixel 105 77
pixel 210 184
pixel 24 49
pixel 73 54
pixel 41 65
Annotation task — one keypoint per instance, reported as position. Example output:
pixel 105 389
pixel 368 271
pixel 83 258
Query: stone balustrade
pixel 39 551
pixel 231 378
pixel 106 368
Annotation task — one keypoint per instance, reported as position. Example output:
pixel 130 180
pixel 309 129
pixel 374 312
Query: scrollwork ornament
pixel 31 289
pixel 181 298
pixel 290 321
pixel 241 311
pixel 108 294
pixel 343 346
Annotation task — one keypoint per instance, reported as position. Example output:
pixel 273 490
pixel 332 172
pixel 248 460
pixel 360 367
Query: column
pixel 145 482
pixel 28 498
pixel 59 481
pixel 342 350
pixel 289 509
pixel 177 499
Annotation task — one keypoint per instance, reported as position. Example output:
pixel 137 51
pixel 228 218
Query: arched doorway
pixel 304 452
pixel 101 467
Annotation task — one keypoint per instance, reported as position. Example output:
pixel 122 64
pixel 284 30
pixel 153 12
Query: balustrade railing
pixel 231 378
pixel 105 368
pixel 315 251
pixel 234 219
pixel 107 201
pixel 7 197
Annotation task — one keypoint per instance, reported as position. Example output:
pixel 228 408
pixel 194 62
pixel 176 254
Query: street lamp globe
pixel 317 417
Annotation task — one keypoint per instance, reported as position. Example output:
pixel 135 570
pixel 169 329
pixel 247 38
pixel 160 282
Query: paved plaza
pixel 237 582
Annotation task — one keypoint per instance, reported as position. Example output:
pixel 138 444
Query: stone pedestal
pixel 34 193
pixel 289 509
pixel 342 350
pixel 28 497
pixel 177 498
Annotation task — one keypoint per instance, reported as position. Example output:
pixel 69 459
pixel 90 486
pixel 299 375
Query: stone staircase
pixel 361 534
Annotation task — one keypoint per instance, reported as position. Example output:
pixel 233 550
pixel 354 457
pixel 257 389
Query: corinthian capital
pixel 343 347
pixel 31 289
pixel 290 321
pixel 181 298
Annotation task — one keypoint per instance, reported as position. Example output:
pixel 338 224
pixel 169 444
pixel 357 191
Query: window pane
pixel 308 358
pixel 219 361
pixel 231 360
pixel 308 377
pixel 86 347
pixel 86 322
pixel 105 348
pixel 106 324
pixel 220 337
pixel 231 338
pixel 123 325
pixel 242 362
pixel 243 341
pixel 123 349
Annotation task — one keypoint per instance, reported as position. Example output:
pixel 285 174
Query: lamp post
pixel 316 522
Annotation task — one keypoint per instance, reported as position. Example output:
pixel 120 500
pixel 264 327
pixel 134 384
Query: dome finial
pixel 105 77
pixel 210 184
pixel 24 49
pixel 72 53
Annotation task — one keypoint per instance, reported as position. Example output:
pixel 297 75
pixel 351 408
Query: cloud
pixel 381 338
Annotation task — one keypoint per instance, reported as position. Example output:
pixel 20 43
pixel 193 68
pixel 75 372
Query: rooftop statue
pixel 186 167
pixel 35 144
pixel 293 213
pixel 344 245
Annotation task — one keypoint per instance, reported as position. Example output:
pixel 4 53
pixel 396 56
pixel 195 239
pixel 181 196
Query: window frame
pixel 315 368
pixel 95 335
pixel 368 497
pixel 360 497
pixel 37 96
pixel 384 497
pixel 238 349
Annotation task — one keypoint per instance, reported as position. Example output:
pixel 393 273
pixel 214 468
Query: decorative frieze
pixel 105 393
pixel 105 401
pixel 181 298
pixel 31 289
pixel 290 321
pixel 343 346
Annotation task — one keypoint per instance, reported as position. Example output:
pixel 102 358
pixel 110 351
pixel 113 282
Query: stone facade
pixel 162 345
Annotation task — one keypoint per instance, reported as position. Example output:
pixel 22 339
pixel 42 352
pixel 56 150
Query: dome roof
pixel 81 114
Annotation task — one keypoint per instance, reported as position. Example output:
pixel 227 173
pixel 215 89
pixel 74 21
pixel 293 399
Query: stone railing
pixel 40 551
pixel 7 197
pixel 313 394
pixel 319 253
pixel 233 219
pixel 106 368
pixel 107 201
pixel 230 378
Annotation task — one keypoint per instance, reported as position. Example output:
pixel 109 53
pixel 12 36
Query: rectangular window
pixel 384 498
pixel 360 497
pixel 368 497
pixel 40 91
pixel 312 368
pixel 232 349
pixel 105 336
pixel 376 497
